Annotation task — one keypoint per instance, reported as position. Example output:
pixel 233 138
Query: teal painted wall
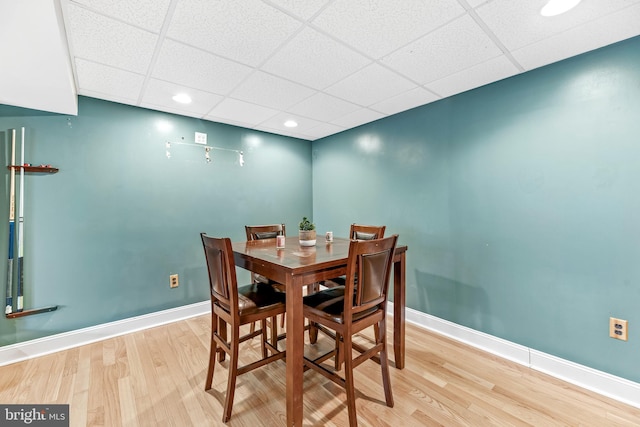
pixel 103 235
pixel 519 202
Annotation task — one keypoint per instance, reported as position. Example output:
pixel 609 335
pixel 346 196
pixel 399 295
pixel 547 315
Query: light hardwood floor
pixel 155 377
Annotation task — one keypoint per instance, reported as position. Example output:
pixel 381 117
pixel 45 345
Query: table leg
pixel 295 352
pixel 399 302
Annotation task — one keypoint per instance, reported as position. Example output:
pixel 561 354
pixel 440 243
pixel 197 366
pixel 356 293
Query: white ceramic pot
pixel 307 237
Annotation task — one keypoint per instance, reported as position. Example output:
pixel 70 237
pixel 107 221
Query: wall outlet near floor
pixel 173 281
pixel 618 329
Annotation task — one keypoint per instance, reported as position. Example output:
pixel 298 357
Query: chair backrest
pixel 259 232
pixel 366 232
pixel 370 262
pixel 223 283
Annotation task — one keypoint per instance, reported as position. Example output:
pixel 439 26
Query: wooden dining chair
pixel 236 306
pixel 357 232
pixel 270 231
pixel 259 232
pixel 370 261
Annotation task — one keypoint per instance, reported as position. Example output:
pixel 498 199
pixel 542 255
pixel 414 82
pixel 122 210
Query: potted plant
pixel 307 232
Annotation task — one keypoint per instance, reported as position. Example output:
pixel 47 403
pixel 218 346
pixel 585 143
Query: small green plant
pixel 306 225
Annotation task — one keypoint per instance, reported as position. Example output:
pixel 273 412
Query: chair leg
pixel 263 337
pixel 212 354
pixel 384 364
pixel 349 386
pixel 313 329
pixel 339 353
pixel 313 332
pixel 274 331
pixel 233 373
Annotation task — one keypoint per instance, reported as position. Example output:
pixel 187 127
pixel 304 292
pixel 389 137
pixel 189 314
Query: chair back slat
pixel 373 268
pixel 259 232
pixel 223 283
pixel 370 261
pixel 366 232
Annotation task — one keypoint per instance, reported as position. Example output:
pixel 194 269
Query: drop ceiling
pixel 330 65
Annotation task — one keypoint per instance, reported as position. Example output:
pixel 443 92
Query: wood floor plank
pixel 156 377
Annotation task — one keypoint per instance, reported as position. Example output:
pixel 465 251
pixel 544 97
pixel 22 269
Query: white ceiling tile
pixel 270 91
pixel 378 27
pixel 108 81
pixel 285 132
pixel 232 109
pixel 314 60
pixel 357 118
pixel 323 107
pixel 247 31
pixel 235 121
pixel 476 3
pixel 479 75
pixel 324 130
pixel 276 123
pixel 518 24
pixel 303 9
pixel 147 14
pixel 327 62
pixel 112 97
pixel 451 49
pixel 404 101
pixel 592 35
pixel 198 69
pixel 158 96
pixel 370 85
pixel 108 41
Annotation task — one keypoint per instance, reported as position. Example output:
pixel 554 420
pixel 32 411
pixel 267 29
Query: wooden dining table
pixel 295 266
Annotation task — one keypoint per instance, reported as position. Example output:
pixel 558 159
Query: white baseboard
pixel 42 346
pixel 600 382
pixel 617 388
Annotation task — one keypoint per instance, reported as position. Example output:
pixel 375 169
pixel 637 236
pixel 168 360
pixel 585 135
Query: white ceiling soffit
pixel 36 67
pixel 330 65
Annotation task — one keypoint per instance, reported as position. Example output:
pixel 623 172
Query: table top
pixel 294 258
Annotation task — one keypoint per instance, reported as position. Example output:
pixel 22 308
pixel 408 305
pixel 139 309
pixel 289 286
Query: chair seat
pixel 256 298
pixel 329 303
pixel 259 278
pixel 335 282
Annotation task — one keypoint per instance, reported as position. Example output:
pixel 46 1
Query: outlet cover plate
pixel 618 329
pixel 173 281
pixel 201 138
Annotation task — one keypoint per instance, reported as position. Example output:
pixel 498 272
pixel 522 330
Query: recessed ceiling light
pixel 182 98
pixel 556 7
pixel 291 123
